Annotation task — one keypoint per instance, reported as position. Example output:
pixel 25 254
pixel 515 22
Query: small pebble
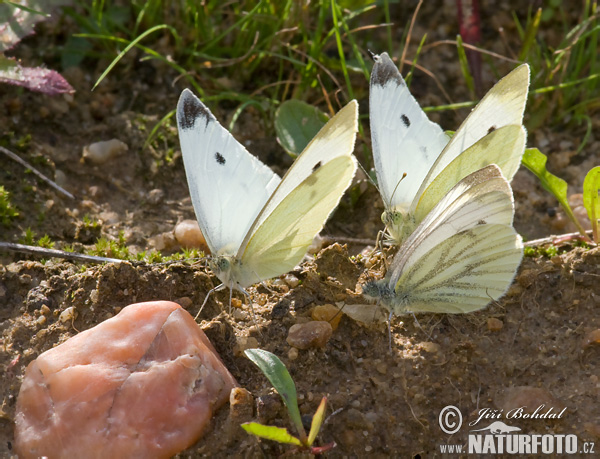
pixel 494 324
pixel 590 338
pixel 291 280
pixel 41 320
pixel 381 368
pixel 101 152
pixel 293 353
pixel 68 314
pixel 328 313
pixel 188 234
pixel 430 347
pixel 243 343
pixel 311 334
pixel 241 405
pixel 236 303
pixel 155 196
pixel 185 302
pixel 317 245
pixel 45 310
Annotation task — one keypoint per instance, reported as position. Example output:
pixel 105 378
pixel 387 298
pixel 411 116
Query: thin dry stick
pixel 558 239
pixel 53 253
pixel 24 163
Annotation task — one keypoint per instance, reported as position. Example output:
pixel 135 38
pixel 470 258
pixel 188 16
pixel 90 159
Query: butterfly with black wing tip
pixel 257 225
pixel 416 163
pixel 463 255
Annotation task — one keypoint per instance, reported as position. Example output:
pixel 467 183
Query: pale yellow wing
pixel 503 147
pixel 281 241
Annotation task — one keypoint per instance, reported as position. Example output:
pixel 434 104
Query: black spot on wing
pixel 190 110
pixel 481 222
pixel 405 120
pixel 491 129
pixel 220 158
pixel 316 166
pixel 384 71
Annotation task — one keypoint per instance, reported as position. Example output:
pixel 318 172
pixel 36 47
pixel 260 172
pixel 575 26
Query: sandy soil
pixel 541 334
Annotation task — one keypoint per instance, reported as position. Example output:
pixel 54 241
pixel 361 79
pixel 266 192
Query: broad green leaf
pixel 278 434
pixel 317 421
pixel 535 161
pixel 591 186
pixel 296 124
pixel 280 378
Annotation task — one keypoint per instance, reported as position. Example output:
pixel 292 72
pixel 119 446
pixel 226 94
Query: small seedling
pixel 7 210
pixel 278 375
pixel 591 185
pixel 535 161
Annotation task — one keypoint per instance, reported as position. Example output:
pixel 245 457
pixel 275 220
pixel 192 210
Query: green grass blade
pixel 340 47
pixel 280 378
pixel 317 421
pixel 535 161
pixel 278 434
pixel 530 34
pixel 591 186
pixel 464 65
pixel 131 45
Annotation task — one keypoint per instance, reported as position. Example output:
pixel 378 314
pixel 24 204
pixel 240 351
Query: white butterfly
pixel 463 255
pixel 257 225
pixel 415 161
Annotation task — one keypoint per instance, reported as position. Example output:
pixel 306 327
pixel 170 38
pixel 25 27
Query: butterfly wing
pixel 299 207
pixel 503 147
pixel 503 105
pixel 404 140
pixel 228 185
pixel 462 273
pixel 480 202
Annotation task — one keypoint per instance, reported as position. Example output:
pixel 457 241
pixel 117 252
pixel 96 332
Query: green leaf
pixel 278 434
pixel 317 421
pixel 278 375
pixel 591 185
pixel 296 124
pixel 535 161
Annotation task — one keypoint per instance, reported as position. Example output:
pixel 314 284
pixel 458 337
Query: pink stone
pixel 144 383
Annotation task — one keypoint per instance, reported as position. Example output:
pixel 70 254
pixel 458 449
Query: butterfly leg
pixel 422 329
pixel 215 289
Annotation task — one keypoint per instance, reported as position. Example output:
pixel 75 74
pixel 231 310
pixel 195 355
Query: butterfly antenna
pixel 419 325
pixel 369 179
pixel 397 185
pixel 215 289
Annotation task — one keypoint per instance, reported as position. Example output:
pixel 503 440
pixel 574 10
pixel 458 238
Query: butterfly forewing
pixel 502 106
pixel 280 243
pixel 228 185
pixel 503 147
pixel 335 139
pixel 403 138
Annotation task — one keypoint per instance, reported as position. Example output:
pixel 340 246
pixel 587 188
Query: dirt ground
pixel 542 334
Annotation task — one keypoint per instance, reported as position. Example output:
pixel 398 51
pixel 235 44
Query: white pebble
pixel 101 152
pixel 68 314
